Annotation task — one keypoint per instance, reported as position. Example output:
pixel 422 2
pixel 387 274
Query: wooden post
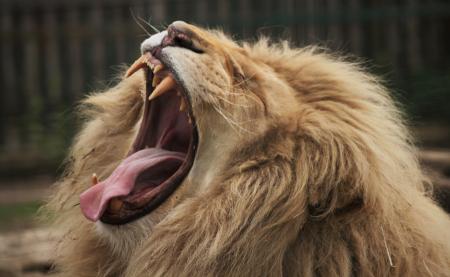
pixel 311 28
pixel 52 52
pixel 245 15
pixel 98 40
pixel 355 27
pixel 435 42
pixel 119 34
pixel 30 77
pixel 158 13
pixel 413 44
pixel 334 34
pixel 392 39
pixel 290 7
pixel 202 11
pixel 8 101
pixel 223 13
pixel 73 38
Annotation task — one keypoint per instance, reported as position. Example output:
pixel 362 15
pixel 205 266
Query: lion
pixel 221 158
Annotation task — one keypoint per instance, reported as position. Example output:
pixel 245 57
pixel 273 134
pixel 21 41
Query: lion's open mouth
pixel 161 155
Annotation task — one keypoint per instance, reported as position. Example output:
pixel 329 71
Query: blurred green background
pixel 53 52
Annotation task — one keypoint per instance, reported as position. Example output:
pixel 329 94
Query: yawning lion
pixel 215 158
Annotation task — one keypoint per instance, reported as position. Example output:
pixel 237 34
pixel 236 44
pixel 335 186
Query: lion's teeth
pixel 158 68
pixel 138 64
pixel 166 84
pixel 182 105
pixel 115 204
pixel 94 179
pixel 156 80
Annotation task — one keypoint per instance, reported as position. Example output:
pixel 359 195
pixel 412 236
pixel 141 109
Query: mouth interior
pixel 160 157
pixel 167 131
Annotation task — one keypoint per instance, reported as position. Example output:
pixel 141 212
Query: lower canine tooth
pixel 94 179
pixel 115 204
pixel 182 105
pixel 156 81
pixel 158 67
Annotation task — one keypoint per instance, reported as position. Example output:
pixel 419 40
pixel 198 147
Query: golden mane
pixel 335 190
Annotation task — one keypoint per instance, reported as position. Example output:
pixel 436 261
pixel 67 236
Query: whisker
pixel 232 103
pixel 232 123
pixel 249 95
pixel 138 23
pixel 244 80
pixel 149 25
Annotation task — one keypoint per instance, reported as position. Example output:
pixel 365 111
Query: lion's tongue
pixel 121 182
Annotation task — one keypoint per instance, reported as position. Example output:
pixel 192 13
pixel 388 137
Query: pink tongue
pixel 121 182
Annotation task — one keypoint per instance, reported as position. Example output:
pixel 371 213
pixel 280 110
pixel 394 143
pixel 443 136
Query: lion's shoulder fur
pixel 336 190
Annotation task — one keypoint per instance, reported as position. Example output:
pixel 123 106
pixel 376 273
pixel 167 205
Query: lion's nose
pixel 178 34
pixel 153 42
pixel 172 36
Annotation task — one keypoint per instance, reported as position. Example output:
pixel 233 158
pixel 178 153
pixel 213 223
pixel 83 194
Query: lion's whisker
pixel 150 25
pixel 387 248
pixel 232 103
pixel 230 121
pixel 138 23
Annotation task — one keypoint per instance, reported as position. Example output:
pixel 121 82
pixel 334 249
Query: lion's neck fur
pixel 286 202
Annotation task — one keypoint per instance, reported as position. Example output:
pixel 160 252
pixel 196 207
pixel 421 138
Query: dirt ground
pixel 31 189
pixel 19 201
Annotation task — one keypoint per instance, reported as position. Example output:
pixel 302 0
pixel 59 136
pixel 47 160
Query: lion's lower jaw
pixel 124 239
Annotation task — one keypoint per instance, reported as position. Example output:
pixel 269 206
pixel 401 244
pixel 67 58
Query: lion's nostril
pixel 182 40
pixel 153 42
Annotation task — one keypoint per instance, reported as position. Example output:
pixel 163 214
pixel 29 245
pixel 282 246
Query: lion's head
pixel 205 97
pixel 219 158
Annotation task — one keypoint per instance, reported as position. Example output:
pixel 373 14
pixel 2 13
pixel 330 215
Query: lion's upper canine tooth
pixel 158 68
pixel 138 64
pixel 115 204
pixel 165 85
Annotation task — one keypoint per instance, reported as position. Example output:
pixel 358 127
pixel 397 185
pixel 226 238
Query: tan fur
pixel 304 168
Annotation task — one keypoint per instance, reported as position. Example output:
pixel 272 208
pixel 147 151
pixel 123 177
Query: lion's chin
pixel 126 238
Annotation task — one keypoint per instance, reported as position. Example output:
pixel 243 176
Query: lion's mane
pixel 335 191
